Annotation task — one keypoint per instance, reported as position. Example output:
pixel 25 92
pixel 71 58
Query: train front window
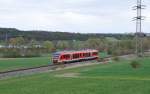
pixel 55 56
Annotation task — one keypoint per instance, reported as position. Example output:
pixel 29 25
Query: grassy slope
pixel 120 70
pixel 116 78
pixel 9 64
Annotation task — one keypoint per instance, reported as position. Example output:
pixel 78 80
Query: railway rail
pixel 33 70
pixel 24 71
pixel 27 71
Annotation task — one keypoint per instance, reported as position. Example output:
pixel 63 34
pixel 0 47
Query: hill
pixel 7 33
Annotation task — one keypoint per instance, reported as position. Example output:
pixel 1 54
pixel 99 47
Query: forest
pixel 7 33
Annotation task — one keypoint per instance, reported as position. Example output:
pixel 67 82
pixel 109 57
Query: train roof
pixel 65 52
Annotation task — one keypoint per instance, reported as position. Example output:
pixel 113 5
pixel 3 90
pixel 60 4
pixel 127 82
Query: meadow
pixel 17 63
pixel 113 78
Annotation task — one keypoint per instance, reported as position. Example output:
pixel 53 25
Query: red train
pixel 74 56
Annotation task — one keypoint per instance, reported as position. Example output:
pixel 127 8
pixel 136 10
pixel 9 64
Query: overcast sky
pixel 83 16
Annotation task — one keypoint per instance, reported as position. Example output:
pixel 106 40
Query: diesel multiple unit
pixel 74 56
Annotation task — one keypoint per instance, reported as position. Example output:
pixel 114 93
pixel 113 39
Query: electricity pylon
pixel 139 35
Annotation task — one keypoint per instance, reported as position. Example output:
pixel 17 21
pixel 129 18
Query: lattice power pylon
pixel 139 34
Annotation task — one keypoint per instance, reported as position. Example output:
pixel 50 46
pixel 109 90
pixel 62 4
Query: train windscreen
pixel 56 55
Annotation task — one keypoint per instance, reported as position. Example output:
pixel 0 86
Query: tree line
pixel 7 33
pixel 21 47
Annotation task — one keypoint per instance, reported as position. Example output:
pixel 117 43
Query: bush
pixel 135 64
pixel 10 53
pixel 116 58
pixel 18 53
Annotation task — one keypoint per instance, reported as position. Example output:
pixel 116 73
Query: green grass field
pixel 113 78
pixel 16 63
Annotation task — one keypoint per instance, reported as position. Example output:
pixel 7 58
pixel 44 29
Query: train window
pixel 80 54
pixel 75 56
pixel 95 53
pixel 68 56
pixel 86 54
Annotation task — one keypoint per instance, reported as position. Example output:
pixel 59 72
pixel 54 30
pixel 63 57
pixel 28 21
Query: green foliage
pixel 18 41
pixel 103 54
pixel 11 53
pixel 121 47
pixel 77 45
pixel 115 58
pixel 48 45
pixel 96 43
pixel 17 52
pixel 135 64
pixel 63 45
pixel 33 43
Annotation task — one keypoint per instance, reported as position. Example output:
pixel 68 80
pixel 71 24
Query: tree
pixel 78 45
pixel 20 41
pixel 146 43
pixel 62 45
pixel 96 43
pixel 13 42
pixel 33 44
pixel 48 45
pixel 17 42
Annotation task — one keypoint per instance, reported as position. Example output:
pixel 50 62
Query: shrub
pixel 135 64
pixel 19 53
pixel 11 53
pixel 116 58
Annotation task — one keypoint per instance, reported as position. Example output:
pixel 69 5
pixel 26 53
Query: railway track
pixel 25 71
pixel 33 70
